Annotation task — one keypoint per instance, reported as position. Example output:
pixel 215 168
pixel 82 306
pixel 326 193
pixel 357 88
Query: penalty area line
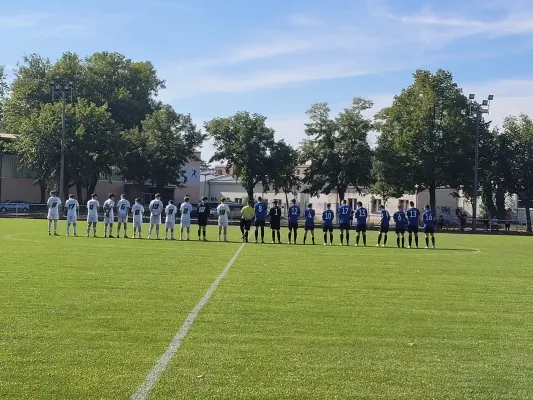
pixel 146 387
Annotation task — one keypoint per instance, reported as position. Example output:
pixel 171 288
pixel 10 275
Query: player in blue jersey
pixel 260 215
pixel 383 225
pixel 344 213
pixel 400 219
pixel 327 224
pixel 361 217
pixel 429 225
pixel 413 221
pixel 294 215
pixel 309 215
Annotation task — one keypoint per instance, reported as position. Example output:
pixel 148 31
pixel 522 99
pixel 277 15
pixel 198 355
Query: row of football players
pixel 404 221
pixel 253 213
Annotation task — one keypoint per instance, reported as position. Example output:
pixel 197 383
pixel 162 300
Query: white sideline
pixel 144 390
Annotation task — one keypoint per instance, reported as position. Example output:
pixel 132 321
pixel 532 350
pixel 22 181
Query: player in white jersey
pixel 170 219
pixel 185 222
pixel 223 221
pixel 123 208
pixel 109 214
pixel 156 207
pixel 72 207
pixel 138 212
pixel 92 214
pixel 53 204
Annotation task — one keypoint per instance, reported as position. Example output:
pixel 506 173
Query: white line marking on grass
pixel 144 390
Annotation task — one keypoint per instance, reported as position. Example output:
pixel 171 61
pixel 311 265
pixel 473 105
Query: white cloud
pixel 22 20
pixel 309 49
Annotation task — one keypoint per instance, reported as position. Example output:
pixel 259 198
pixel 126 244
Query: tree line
pixel 115 124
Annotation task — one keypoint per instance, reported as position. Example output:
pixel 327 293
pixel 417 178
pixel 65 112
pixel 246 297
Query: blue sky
pixel 279 57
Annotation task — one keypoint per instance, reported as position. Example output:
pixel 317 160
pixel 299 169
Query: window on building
pixel 404 204
pixel 213 199
pixel 238 200
pixel 298 172
pixel 374 206
pixel 520 204
pixel 352 203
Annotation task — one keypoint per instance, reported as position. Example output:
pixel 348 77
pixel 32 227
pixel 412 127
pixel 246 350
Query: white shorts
pixel 171 223
pixel 109 220
pixel 155 219
pixel 223 223
pixel 185 223
pixel 123 218
pixel 71 219
pixel 53 216
pixel 138 223
pixel 92 219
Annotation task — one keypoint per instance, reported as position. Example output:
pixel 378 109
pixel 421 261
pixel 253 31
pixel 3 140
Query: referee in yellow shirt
pixel 247 214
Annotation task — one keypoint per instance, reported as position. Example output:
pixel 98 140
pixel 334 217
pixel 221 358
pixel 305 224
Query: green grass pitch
pixel 88 318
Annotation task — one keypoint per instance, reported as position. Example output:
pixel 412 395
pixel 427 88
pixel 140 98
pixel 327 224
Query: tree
pixel 158 151
pixel 383 179
pixel 3 93
pixel 245 142
pixel 284 160
pixel 91 144
pixel 337 149
pixel 428 134
pixel 518 142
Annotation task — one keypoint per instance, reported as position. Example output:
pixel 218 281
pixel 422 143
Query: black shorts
pixel 260 222
pixel 507 225
pixel 400 230
pixel 275 225
pixel 429 229
pixel 384 229
pixel 309 227
pixel 202 221
pixel 412 229
pixel 327 228
pixel 345 226
pixel 246 224
pixel 293 225
pixel 360 228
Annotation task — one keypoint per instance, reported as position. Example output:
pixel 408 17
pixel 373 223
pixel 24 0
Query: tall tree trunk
pixel 432 197
pixel 42 189
pixel 500 203
pixel 250 192
pixel 91 188
pixel 79 192
pixel 488 200
pixel 341 192
pixel 287 201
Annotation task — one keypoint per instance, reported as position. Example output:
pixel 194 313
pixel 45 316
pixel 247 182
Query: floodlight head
pixel 70 83
pixel 471 96
pixel 491 97
pixel 485 103
pixel 53 83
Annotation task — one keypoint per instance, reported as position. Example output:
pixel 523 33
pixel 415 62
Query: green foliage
pixel 427 135
pixel 3 93
pixel 284 160
pixel 337 149
pixel 518 142
pixel 91 143
pixel 158 151
pixel 245 142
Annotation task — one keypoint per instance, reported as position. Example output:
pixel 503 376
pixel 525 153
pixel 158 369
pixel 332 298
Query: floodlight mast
pixel 480 109
pixel 63 91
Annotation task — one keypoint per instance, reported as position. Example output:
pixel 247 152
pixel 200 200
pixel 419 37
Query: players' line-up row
pixel 255 213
